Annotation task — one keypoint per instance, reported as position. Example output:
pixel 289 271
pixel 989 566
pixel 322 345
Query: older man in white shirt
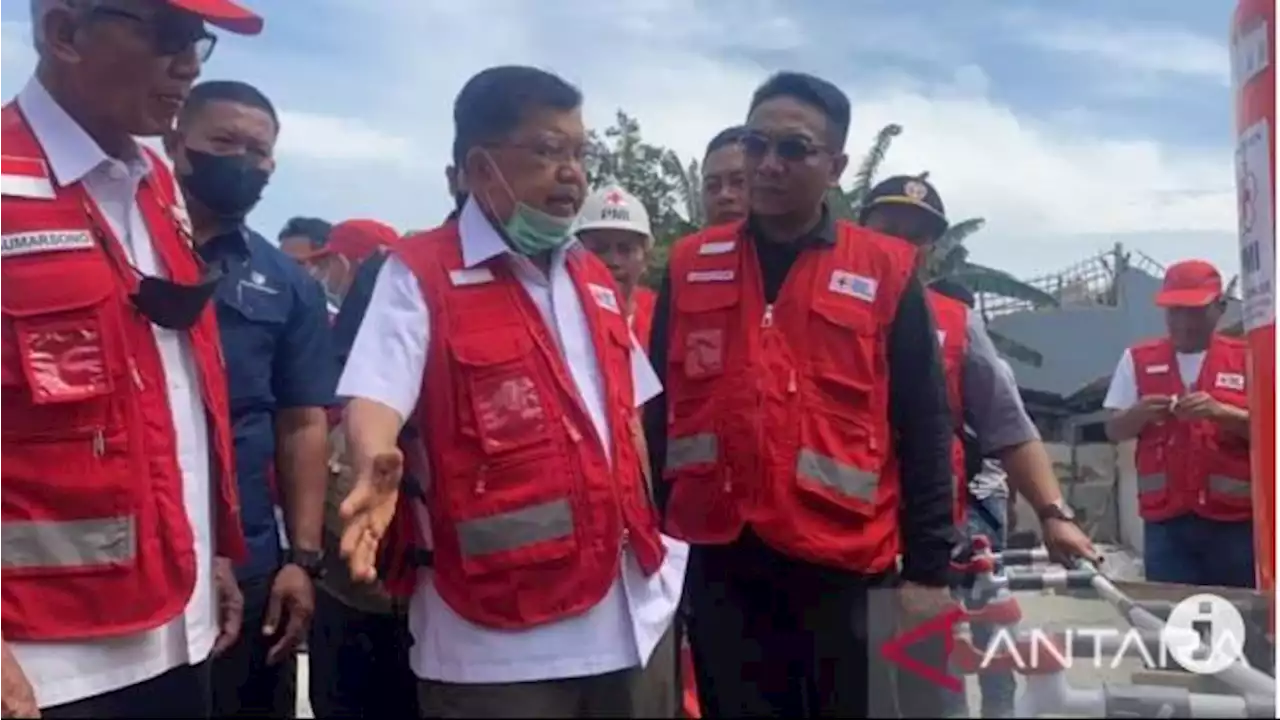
pixel 112 416
pixel 551 592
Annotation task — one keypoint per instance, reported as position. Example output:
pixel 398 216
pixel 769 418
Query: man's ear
pixel 838 165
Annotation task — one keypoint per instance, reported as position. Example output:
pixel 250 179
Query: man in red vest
pixel 120 508
pixel 1183 398
pixel 336 263
pixel 983 395
pixel 545 587
pixel 804 434
pixel 615 226
pixel 724 178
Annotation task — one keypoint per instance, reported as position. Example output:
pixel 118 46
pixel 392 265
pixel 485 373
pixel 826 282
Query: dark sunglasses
pixel 792 148
pixel 171 33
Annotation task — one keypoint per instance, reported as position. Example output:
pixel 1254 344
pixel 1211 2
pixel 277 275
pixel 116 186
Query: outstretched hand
pixel 368 509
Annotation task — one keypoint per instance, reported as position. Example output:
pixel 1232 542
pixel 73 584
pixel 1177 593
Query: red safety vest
pixel 952 319
pixel 1192 466
pixel 529 515
pixel 779 413
pixel 96 537
pixel 642 302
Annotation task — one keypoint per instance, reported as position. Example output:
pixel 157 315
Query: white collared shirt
pixel 386 365
pixel 64 672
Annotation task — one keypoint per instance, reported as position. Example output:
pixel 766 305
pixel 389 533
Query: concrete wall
pixel 1099 481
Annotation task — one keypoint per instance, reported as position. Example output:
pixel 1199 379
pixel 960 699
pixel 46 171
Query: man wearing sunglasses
pixel 804 429
pixel 120 504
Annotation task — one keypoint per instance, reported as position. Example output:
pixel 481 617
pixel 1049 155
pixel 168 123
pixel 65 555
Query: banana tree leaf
pixel 1015 350
pixel 982 279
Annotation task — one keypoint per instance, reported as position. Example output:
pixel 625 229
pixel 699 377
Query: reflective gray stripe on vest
pixel 1154 482
pixel 1218 485
pixel 1223 485
pixel 692 450
pixel 516 528
pixel 844 479
pixel 67 544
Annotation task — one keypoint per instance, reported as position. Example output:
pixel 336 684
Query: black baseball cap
pixel 906 190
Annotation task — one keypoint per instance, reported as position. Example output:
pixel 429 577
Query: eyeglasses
pixel 551 152
pixel 171 33
pixel 792 148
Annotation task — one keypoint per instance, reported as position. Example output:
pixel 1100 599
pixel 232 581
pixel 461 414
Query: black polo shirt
pixel 918 410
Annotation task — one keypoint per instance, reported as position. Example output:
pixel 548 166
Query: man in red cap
pixel 1183 398
pixel 120 508
pixel 350 243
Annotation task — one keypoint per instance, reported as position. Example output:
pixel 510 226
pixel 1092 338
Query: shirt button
pixel 117 172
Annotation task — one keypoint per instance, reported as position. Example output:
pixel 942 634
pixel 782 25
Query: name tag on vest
pixel 1157 369
pixel 1230 381
pixel 25 178
pixel 699 276
pixel 470 276
pixel 605 298
pixel 858 286
pixel 40 241
pixel 717 248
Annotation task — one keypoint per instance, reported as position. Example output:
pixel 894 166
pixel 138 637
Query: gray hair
pixel 40 7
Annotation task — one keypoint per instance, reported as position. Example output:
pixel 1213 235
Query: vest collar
pixel 71 152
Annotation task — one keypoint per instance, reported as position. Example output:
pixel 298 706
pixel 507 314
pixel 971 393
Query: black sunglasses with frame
pixel 792 148
pixel 171 31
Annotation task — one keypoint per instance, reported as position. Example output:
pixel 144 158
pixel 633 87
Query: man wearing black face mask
pixel 281 376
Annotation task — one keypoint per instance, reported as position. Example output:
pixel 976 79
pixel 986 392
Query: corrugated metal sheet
pixel 1083 343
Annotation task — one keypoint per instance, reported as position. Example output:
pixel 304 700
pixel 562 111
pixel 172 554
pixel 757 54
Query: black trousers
pixel 359 663
pixel 776 637
pixel 244 685
pixel 183 692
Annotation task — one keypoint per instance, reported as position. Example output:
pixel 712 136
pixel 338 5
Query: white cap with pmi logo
pixel 612 208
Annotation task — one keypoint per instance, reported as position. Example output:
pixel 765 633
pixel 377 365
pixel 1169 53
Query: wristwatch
pixel 1057 510
pixel 311 561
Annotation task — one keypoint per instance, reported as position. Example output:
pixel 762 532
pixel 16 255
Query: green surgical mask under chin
pixel 531 231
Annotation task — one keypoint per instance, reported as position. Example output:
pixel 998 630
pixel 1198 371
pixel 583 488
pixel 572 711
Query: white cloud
pixel 1052 188
pixel 1145 49
pixel 333 139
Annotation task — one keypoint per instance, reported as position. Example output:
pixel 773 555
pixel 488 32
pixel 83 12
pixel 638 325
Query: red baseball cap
pixel 355 240
pixel 1193 283
pixel 224 14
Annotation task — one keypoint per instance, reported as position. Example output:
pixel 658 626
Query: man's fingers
pixel 357 501
pixel 275 604
pixel 352 534
pixel 290 638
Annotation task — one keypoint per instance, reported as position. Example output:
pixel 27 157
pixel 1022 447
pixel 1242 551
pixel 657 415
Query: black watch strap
pixel 312 561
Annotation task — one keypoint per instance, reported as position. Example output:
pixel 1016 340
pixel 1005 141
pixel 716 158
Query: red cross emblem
pixel 614 198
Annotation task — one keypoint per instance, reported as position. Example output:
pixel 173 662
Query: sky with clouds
pixel 1068 126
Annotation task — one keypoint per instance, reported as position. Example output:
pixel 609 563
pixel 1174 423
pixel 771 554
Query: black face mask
pixel 172 305
pixel 227 185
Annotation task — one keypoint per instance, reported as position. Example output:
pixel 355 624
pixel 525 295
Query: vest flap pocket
pixel 848 313
pixel 492 347
pixel 699 297
pixel 506 401
pixel 68 505
pixel 47 289
pixel 838 465
pixel 61 336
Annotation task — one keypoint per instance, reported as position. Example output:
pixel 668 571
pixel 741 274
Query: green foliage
pixel 669 189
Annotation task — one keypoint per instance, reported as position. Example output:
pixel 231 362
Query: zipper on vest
pixel 767 320
pixel 136 375
pixel 572 429
pixel 792 385
pixel 480 479
pixel 99 443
